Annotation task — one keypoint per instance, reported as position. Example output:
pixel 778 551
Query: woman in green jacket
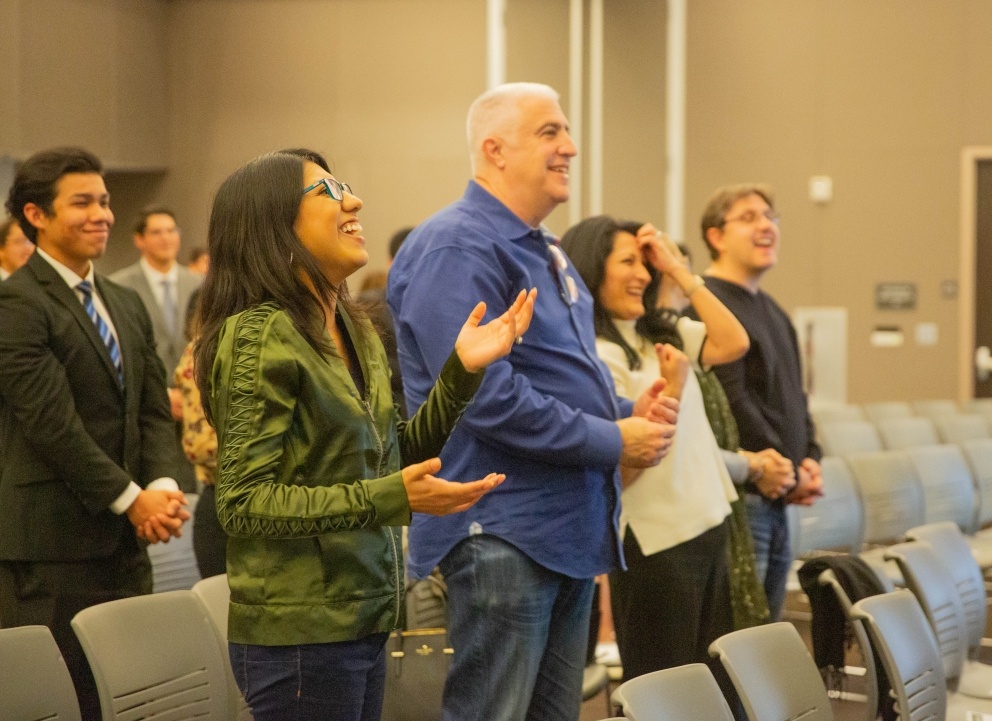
pixel 317 472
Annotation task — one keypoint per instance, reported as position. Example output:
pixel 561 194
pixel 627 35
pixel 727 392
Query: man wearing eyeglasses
pixel 519 564
pixel 765 389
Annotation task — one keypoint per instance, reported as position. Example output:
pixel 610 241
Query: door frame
pixel 970 157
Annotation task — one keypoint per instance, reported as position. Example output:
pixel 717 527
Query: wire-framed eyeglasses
pixel 750 217
pixel 334 189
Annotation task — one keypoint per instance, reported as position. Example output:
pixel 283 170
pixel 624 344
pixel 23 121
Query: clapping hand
pixel 479 345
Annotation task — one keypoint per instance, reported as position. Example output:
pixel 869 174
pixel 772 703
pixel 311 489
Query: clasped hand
pixel 479 345
pixel 158 515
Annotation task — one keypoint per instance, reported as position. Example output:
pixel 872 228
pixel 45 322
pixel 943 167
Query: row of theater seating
pixel 158 656
pixel 921 635
pixel 874 412
pixel 872 498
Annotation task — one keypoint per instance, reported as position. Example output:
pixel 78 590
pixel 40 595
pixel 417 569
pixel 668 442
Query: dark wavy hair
pixel 588 244
pixel 256 256
pixel 37 177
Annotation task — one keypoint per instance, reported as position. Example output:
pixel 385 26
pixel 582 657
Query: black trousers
pixel 668 607
pixel 51 593
pixel 209 537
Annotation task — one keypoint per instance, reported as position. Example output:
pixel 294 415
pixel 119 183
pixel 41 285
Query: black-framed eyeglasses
pixel 334 189
pixel 750 217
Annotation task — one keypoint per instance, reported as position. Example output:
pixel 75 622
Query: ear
pixel 714 236
pixel 492 150
pixel 35 215
pixel 138 240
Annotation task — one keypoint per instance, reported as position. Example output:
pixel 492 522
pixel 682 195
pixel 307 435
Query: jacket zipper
pixel 392 539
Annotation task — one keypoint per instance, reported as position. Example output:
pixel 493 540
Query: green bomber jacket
pixel 309 486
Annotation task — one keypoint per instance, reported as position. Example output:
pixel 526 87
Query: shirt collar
pixel 508 225
pixel 155 277
pixel 70 276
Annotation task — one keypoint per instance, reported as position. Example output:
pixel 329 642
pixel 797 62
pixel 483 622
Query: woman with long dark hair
pixel 673 600
pixel 316 472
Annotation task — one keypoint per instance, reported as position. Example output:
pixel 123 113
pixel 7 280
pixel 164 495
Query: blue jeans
pixel 519 632
pixel 772 552
pixel 313 682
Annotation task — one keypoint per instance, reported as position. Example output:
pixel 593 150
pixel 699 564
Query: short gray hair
pixel 492 112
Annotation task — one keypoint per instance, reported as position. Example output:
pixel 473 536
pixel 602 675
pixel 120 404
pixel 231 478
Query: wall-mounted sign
pixel 895 296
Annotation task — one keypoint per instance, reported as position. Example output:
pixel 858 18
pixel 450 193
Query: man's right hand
pixel 158 515
pixel 438 497
pixel 645 443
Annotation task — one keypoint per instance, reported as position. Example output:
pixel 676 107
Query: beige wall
pixel 881 96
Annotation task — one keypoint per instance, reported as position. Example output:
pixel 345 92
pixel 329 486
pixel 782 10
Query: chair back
pixel 956 558
pixel 887 409
pixel 935 408
pixel 901 433
pixel 948 488
pixel 961 427
pixel 174 563
pixel 978 453
pixel 836 521
pixel 831 413
pixel 840 438
pixel 773 673
pixel 154 656
pixel 902 637
pixel 933 587
pixel 683 693
pixel 891 492
pixel 215 595
pixel 35 683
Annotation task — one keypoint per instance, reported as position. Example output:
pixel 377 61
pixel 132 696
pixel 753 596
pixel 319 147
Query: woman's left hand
pixel 479 345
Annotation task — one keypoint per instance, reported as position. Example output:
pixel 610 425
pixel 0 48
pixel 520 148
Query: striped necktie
pixel 102 328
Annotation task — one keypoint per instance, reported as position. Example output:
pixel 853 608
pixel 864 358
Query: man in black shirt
pixel 765 390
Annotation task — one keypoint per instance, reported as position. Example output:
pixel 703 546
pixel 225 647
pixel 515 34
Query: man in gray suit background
pixel 165 287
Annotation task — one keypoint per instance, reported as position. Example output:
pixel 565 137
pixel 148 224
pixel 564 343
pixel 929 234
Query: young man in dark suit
pixel 86 476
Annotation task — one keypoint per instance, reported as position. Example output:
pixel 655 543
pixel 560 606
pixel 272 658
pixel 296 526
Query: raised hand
pixel 438 497
pixel 674 368
pixel 659 250
pixel 479 345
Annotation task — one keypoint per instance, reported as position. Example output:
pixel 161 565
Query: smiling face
pixel 748 241
pixel 624 279
pixel 329 229
pixel 159 243
pixel 535 157
pixel 76 232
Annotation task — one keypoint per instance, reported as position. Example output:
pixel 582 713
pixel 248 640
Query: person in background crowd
pixel 199 260
pixel 15 248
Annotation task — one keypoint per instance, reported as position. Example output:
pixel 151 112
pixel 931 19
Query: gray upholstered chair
pixel 152 655
pixel 773 673
pixel 34 683
pixel 683 693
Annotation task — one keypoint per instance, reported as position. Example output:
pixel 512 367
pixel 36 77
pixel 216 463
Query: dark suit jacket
pixel 72 438
pixel 170 345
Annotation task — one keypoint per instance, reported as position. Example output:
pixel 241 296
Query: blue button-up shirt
pixel 545 415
